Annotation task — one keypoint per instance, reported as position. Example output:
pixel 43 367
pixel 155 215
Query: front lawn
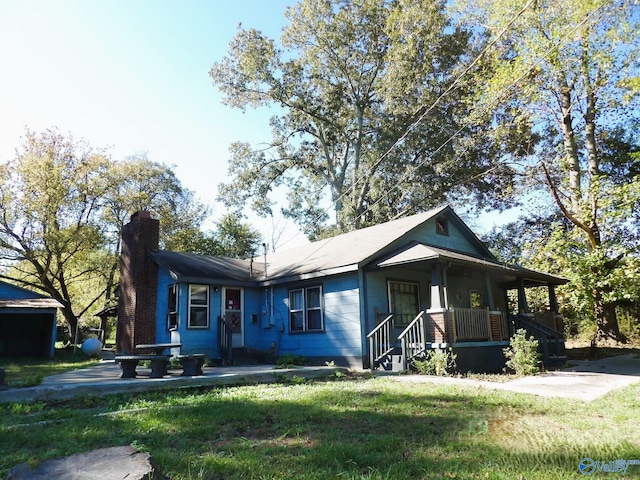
pixel 27 372
pixel 373 428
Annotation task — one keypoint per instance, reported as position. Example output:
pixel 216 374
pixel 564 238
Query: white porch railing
pixel 381 342
pixel 413 340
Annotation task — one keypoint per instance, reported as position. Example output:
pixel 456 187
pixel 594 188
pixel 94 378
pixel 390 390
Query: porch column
pixel 437 289
pixel 489 291
pixel 553 300
pixel 522 298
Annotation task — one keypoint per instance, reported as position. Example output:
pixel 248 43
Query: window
pixel 442 226
pixel 198 306
pixel 305 310
pixel 172 307
pixel 475 298
pixel 404 302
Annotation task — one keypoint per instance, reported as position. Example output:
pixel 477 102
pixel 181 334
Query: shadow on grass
pixel 590 353
pixel 30 371
pixel 365 429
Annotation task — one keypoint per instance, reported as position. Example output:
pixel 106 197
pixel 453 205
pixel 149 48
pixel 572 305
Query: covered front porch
pixel 472 306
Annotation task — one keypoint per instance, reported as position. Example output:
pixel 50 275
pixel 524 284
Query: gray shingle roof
pixel 340 253
pixel 343 252
pixel 194 267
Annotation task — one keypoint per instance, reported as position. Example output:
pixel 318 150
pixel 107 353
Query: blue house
pixel 374 298
pixel 27 322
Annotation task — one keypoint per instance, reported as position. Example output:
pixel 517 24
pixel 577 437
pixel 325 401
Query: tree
pixel 571 64
pixel 63 205
pixel 50 203
pixel 141 184
pixel 365 114
pixel 230 238
pixel 236 239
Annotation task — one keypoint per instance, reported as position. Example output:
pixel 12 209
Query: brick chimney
pixel 138 283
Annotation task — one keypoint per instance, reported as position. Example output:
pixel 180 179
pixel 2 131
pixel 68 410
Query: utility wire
pixel 450 89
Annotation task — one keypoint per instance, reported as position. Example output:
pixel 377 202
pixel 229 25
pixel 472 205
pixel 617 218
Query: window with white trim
pixel 306 310
pixel 198 306
pixel 172 307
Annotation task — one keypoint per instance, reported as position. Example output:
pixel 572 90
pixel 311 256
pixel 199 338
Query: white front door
pixel 232 311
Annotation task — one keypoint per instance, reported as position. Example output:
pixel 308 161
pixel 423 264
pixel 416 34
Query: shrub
pixel 436 362
pixel 522 355
pixel 289 360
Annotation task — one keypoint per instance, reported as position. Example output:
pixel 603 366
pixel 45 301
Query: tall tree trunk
pixel 607 327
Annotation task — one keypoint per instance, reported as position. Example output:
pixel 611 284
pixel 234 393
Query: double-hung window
pixel 172 307
pixel 198 306
pixel 305 310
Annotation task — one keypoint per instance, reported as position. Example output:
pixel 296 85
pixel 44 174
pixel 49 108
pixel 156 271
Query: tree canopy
pixel 366 115
pixel 63 204
pixel 570 67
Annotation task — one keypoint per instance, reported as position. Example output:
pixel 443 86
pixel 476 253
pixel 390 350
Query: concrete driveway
pixel 582 380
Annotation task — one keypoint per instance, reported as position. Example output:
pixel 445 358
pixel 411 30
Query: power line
pixel 450 89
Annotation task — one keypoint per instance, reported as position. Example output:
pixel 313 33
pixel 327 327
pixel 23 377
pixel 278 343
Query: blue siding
pixel 341 337
pixel 377 290
pixel 455 240
pixel 194 340
pixel 38 324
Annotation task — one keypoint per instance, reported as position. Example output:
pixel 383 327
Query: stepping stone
pixel 115 463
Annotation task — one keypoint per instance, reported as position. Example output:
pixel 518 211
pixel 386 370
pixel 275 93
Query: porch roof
pixel 420 252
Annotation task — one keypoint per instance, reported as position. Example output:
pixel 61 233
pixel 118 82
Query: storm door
pixel 404 302
pixel 233 314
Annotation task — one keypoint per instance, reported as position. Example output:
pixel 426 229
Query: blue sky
pixel 132 76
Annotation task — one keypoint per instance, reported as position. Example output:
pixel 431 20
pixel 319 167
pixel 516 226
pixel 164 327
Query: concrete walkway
pixel 104 378
pixel 583 380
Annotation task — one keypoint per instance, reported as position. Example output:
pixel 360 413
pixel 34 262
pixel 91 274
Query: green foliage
pixel 522 355
pixel 568 67
pixel 439 362
pixel 362 123
pixel 64 206
pixel 289 360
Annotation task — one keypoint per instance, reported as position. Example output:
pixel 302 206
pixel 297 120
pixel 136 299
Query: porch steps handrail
pixel 380 341
pixel 413 340
pixel 546 336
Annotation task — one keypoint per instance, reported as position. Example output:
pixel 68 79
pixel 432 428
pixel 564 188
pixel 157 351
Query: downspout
pixel 272 318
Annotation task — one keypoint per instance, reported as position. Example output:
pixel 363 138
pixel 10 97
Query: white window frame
pixel 199 306
pixel 306 309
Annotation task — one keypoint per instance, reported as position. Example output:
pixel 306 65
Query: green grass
pixel 373 428
pixel 27 372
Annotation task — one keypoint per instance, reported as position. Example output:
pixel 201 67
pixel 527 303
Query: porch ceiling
pixel 419 255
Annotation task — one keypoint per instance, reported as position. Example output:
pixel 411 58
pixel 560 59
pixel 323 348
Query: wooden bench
pixel 191 364
pixel 129 363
